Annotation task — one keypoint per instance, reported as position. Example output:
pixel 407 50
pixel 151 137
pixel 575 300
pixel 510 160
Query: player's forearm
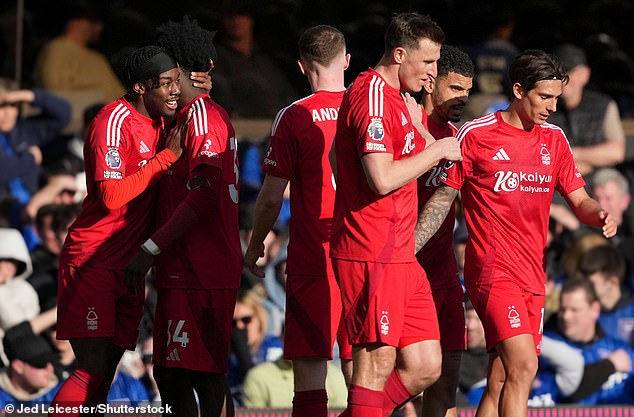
pixel 200 202
pixel 267 209
pixel 114 194
pixel 386 175
pixel 588 212
pixel 433 214
pixel 605 154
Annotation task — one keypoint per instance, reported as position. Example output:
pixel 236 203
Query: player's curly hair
pixel 190 45
pixel 453 59
pixel 136 60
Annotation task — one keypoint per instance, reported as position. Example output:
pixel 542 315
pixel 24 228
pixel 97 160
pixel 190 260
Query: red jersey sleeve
pixel 569 178
pixel 206 141
pixel 282 153
pixel 371 129
pixel 109 144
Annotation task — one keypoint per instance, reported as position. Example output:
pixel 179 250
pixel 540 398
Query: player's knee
pixel 522 369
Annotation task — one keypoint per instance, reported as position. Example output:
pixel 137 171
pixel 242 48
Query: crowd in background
pixel 73 56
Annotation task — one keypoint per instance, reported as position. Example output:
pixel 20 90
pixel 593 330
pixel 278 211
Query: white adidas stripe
pixel 200 118
pixel 111 120
pixel 375 97
pixel 121 119
pixel 555 127
pixel 278 117
pixel 481 122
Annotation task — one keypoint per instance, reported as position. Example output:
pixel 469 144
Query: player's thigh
pixel 192 329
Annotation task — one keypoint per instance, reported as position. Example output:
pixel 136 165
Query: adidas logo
pixel 143 148
pixel 403 119
pixel 173 356
pixel 501 155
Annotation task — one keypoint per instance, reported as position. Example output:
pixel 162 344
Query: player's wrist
pixel 150 247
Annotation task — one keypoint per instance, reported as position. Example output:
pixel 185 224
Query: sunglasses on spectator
pixel 244 320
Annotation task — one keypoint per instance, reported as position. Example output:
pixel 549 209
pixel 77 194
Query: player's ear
pixel 398 54
pixel 518 91
pixel 301 66
pixel 347 64
pixel 139 88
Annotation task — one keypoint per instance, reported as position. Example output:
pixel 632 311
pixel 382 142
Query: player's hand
pixel 449 148
pixel 415 110
pixel 621 360
pixel 251 257
pixel 136 270
pixel 203 79
pixel 176 140
pixel 609 224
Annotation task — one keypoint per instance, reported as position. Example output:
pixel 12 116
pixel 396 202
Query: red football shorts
pixel 451 317
pixel 313 317
pixel 96 303
pixel 506 310
pixel 192 328
pixel 386 303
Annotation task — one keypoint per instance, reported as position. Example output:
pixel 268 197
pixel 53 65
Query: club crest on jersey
pixel 92 320
pixel 375 129
pixel 113 159
pixel 545 155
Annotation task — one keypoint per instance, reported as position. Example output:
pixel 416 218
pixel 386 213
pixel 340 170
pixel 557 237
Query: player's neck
pixel 389 71
pixel 137 103
pixel 512 117
pixel 440 121
pixel 326 80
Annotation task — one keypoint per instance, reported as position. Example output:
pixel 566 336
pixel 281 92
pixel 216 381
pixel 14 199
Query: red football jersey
pixel 208 256
pixel 301 139
pixel 507 178
pixel 369 227
pixel 437 256
pixel 118 143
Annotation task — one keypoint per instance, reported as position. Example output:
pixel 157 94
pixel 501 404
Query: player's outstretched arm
pixel 433 214
pixel 114 194
pixel 590 212
pixel 267 209
pixel 384 174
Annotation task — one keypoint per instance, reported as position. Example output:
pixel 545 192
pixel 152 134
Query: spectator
pixel 67 63
pixel 51 223
pixel 611 189
pixel 250 345
pixel 589 119
pixel 609 381
pixel 248 83
pixel 18 299
pixel 29 379
pixel 270 385
pixel 20 139
pixel 604 266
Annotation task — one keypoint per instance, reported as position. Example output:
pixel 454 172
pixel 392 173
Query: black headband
pixel 158 64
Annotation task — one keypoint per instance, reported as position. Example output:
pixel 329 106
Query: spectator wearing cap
pixel 29 379
pixel 67 63
pixel 589 118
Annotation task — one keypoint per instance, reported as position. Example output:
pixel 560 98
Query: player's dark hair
pixel 137 60
pixel 321 44
pixel 534 65
pixel 453 59
pixel 190 45
pixel 585 285
pixel 603 259
pixel 407 29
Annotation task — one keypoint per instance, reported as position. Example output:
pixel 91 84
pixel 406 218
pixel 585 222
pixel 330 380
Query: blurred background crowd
pixel 61 61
